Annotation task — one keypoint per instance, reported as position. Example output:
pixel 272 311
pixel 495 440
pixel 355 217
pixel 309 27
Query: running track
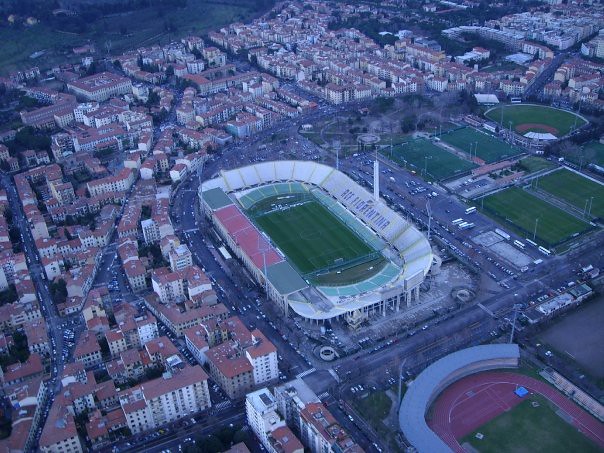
pixel 471 402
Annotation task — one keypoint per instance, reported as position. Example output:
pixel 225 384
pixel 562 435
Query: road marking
pixel 334 374
pixel 306 373
pixel 489 312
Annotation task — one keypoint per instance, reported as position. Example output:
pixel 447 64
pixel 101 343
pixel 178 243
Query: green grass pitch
pixel 574 189
pixel 520 208
pixel 520 114
pixel 489 148
pixel 311 236
pixel 440 164
pixel 530 429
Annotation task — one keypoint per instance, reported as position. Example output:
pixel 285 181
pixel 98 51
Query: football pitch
pixel 530 427
pixel 521 209
pixel 483 145
pixel 536 118
pixel 425 157
pixel 574 189
pixel 312 237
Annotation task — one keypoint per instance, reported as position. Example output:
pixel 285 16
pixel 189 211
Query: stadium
pixel 321 245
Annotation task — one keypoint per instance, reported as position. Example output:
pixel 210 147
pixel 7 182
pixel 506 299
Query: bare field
pixel 580 335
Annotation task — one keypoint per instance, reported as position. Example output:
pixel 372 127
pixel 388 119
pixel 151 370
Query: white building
pixel 262 416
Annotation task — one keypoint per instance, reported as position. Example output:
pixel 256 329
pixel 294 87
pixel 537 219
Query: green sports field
pixel 488 148
pixel 533 164
pixel 530 429
pixel 575 190
pixel 536 118
pixel 440 164
pixel 519 209
pixel 312 237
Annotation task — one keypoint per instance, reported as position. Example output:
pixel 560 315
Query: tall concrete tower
pixel 376 179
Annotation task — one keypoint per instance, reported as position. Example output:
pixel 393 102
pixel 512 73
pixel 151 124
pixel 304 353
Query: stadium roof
pixel 285 278
pixel 432 381
pixel 216 198
pixel 247 237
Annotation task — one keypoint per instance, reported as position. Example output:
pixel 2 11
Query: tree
pixel 9 295
pixel 20 348
pixel 170 71
pixel 58 291
pixel 153 99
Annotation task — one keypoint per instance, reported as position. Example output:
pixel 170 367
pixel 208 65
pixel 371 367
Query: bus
pixel 519 244
pixel 457 221
pixel 503 234
pixel 516 100
pixel 533 243
pixel 466 226
pixel 471 210
pixel 545 251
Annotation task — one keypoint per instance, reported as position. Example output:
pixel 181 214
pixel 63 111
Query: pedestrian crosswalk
pixel 306 373
pixel 222 405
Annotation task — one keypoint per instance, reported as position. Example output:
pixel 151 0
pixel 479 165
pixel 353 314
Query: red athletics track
pixel 473 401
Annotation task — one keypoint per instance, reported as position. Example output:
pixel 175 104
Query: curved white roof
pixel 410 243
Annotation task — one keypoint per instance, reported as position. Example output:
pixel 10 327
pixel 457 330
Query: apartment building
pixel 177 394
pixel 100 87
pixel 180 258
pixel 59 434
pixel 262 416
pixel 321 433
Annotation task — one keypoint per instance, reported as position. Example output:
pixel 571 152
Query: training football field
pixel 483 145
pixel 311 236
pixel 521 209
pixel 575 189
pixel 429 160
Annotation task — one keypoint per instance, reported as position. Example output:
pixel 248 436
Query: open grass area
pixel 480 144
pixel 375 407
pixel 535 115
pixel 429 160
pixel 519 209
pixel 590 153
pixel 312 237
pixel 534 164
pixel 530 429
pixel 142 27
pixel 575 189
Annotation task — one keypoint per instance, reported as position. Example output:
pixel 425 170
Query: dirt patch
pixel 536 127
pixel 580 335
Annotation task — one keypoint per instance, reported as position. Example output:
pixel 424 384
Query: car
pixel 350 418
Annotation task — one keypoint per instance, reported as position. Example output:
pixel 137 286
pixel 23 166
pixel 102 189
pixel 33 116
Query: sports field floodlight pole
pixel 535 231
pixel 591 200
pixel 510 131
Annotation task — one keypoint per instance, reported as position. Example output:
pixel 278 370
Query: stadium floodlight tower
pixel 376 178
